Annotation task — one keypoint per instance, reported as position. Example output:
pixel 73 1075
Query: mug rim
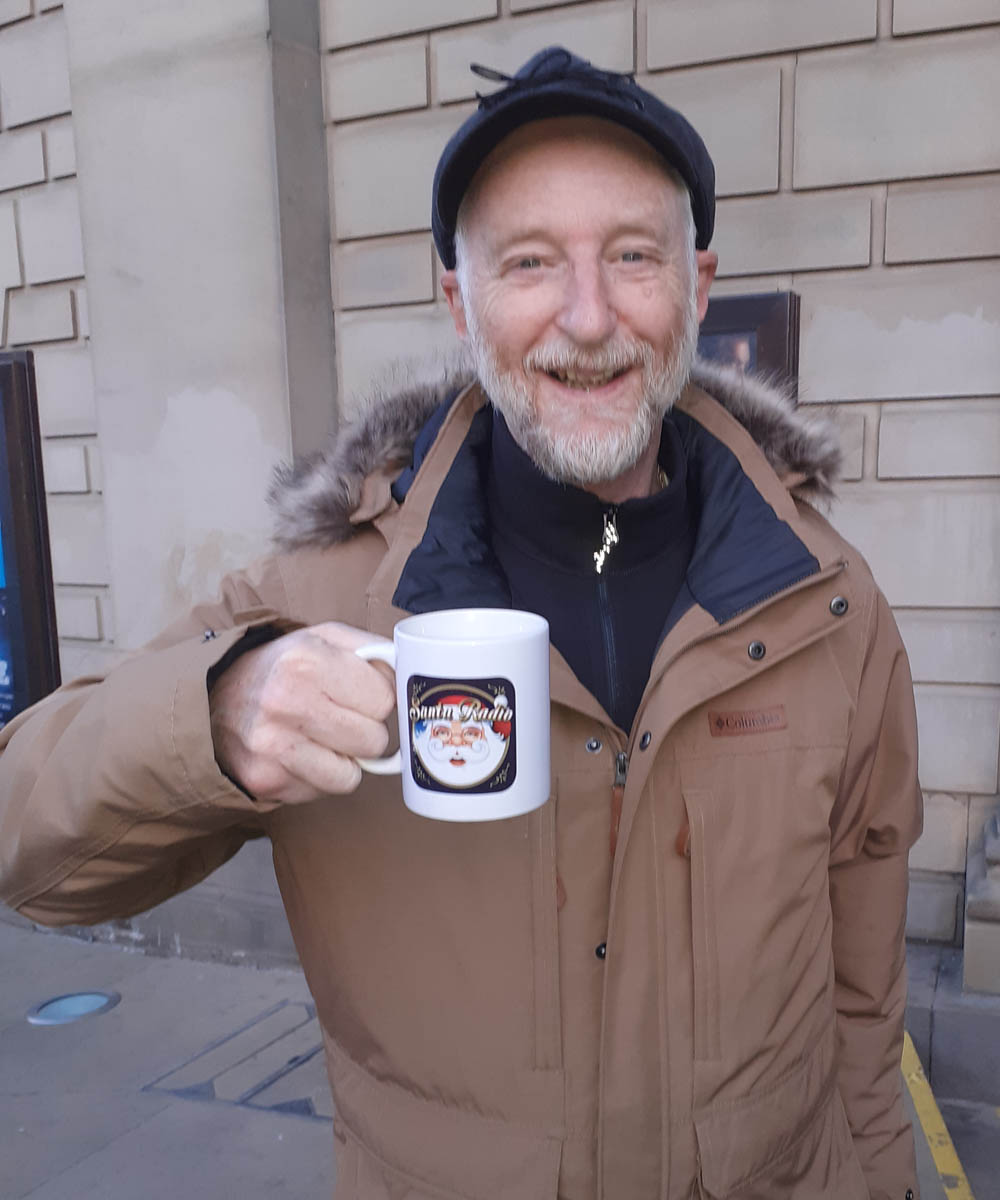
pixel 406 628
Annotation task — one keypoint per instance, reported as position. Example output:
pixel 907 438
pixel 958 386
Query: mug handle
pixel 393 765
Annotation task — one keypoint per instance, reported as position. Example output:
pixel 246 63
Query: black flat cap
pixel 555 83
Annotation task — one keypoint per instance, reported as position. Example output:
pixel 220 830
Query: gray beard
pixel 588 458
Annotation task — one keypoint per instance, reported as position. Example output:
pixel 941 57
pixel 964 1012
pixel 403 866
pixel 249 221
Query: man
pixel 683 975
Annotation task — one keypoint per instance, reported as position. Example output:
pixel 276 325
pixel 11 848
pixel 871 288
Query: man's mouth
pixel 586 381
pixel 457 762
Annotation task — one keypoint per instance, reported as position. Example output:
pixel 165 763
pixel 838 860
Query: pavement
pixel 206 1081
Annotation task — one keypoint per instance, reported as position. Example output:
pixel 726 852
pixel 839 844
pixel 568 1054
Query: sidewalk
pixel 206 1082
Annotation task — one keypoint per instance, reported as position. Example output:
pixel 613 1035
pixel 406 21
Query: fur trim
pixel 313 499
pixel 795 443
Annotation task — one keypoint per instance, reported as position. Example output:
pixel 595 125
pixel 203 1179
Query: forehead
pixel 569 154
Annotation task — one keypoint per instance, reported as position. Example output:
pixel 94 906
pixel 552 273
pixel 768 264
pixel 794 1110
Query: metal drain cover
pixel 61 1010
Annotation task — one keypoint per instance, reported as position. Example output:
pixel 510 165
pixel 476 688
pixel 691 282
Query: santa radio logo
pixel 462 734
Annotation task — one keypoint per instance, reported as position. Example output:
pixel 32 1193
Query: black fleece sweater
pixel 605 625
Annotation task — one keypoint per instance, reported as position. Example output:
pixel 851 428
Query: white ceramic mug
pixel 472 693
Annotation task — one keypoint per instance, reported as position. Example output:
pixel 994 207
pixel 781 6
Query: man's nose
pixel 587 315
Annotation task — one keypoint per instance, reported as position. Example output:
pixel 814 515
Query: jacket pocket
pixel 790 1139
pixel 394 1145
pixel 701 844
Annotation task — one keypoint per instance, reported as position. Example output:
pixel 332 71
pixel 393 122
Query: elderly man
pixel 713 1008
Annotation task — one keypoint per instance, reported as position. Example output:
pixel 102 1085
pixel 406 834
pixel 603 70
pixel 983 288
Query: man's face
pixel 578 292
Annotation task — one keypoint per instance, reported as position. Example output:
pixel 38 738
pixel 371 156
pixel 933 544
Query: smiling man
pixel 682 976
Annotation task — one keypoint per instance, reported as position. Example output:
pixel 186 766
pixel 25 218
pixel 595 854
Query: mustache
pixel 618 355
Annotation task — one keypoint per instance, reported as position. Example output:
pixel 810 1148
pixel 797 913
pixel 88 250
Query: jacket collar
pixel 319 500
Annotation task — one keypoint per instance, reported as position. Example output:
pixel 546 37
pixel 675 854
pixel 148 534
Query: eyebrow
pixel 538 234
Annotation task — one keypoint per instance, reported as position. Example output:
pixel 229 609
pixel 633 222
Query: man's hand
pixel 289 717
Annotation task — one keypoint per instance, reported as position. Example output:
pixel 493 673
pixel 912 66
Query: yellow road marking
pixel 953 1179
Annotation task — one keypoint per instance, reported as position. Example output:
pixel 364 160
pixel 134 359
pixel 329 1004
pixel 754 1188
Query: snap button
pixel 838 606
pixel 644 741
pixel 602 951
pixel 909 1194
pixel 756 650
pixel 209 635
pixel 594 745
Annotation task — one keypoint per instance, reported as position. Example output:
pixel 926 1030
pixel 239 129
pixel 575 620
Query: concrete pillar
pixel 202 193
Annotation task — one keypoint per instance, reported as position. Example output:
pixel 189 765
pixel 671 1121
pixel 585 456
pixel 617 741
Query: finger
pixel 343 730
pixel 322 770
pixel 312 671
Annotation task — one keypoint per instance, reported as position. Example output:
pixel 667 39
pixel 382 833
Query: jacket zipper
pixel 617 798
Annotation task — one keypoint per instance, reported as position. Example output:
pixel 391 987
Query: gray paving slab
pixel 975 1132
pixel 965 1050
pixel 171 1009
pixel 201 1150
pixel 46 1132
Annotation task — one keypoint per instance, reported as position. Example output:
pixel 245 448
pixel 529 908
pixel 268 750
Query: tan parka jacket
pixel 511 1012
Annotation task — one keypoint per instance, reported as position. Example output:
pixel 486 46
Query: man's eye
pixel 633 256
pixel 528 263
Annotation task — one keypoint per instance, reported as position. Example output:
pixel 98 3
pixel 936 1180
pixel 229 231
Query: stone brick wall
pixel 44 305
pixel 858 158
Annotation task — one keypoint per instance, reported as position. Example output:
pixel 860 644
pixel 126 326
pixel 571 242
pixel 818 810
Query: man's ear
pixel 708 262
pixel 453 294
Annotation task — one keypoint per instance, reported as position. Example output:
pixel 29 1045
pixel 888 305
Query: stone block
pixel 10 263
pixel 694 31
pixel 14 10
pixel 951 218
pixel 933 908
pixel 60 149
pixel 65 382
pixel 959 729
pixel 387 271
pixel 930 547
pixel 78 541
pixel 34 70
pixel 981 809
pixel 981 959
pixel 82 307
pixel 381 171
pixel 51 238
pixel 931 439
pixel 377 79
pixel 966 1046
pixel 21 159
pixel 369 342
pixel 347 23
pixel 948 646
pixel 40 315
pixel 65 467
pixel 78 615
pixel 851 427
pixel 877 112
pixel 603 33
pixel 905 333
pixel 526 5
pixel 941 846
pixel 94 469
pixel 736 109
pixel 793 233
pixel 923 16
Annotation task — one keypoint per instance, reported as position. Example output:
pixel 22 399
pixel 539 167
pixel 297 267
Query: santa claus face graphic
pixel 461 742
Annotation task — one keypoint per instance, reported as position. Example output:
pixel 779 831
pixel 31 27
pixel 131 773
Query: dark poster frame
pixel 27 601
pixel 758 332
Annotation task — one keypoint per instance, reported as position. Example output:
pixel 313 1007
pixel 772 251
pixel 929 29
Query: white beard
pixel 587 458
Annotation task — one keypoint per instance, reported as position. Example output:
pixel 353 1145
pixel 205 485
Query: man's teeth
pixel 571 379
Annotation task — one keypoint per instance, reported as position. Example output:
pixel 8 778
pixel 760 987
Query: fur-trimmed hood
pixel 313 499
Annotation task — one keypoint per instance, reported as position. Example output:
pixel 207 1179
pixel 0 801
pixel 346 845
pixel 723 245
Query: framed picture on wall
pixel 755 333
pixel 29 660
